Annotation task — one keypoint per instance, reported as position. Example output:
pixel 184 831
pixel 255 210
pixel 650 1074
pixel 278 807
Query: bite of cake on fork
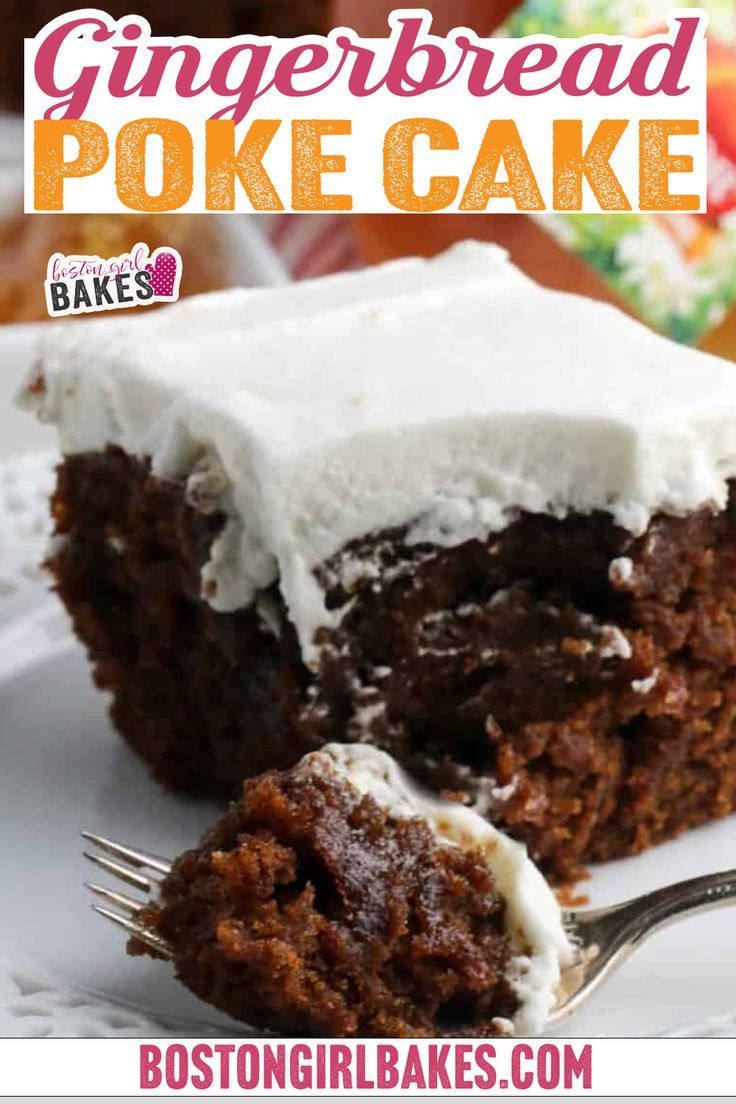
pixel 337 898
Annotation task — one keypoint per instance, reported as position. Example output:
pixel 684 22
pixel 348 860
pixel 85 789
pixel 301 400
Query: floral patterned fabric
pixel 678 272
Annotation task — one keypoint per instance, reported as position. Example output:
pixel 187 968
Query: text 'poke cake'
pixel 431 507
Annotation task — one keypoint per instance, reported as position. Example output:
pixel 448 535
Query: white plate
pixel 65 770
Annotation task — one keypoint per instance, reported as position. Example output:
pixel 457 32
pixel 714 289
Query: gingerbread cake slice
pixel 337 898
pixel 432 507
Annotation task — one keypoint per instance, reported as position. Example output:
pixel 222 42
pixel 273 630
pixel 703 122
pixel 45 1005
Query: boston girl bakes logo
pixel 85 285
pixel 117 120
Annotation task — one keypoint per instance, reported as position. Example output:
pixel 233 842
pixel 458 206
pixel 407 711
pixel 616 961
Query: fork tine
pixel 118 871
pixel 155 942
pixel 136 858
pixel 128 904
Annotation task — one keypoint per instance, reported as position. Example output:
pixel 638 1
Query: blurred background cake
pixel 217 18
pixel 27 241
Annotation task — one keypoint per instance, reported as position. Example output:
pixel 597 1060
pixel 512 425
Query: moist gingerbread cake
pixel 336 899
pixel 432 507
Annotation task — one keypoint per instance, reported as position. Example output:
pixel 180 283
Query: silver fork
pixel 603 937
pixel 140 869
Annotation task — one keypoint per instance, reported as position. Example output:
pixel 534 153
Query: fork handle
pixel 634 920
pixel 695 895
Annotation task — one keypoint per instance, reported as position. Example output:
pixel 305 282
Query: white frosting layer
pixel 442 394
pixel 533 915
